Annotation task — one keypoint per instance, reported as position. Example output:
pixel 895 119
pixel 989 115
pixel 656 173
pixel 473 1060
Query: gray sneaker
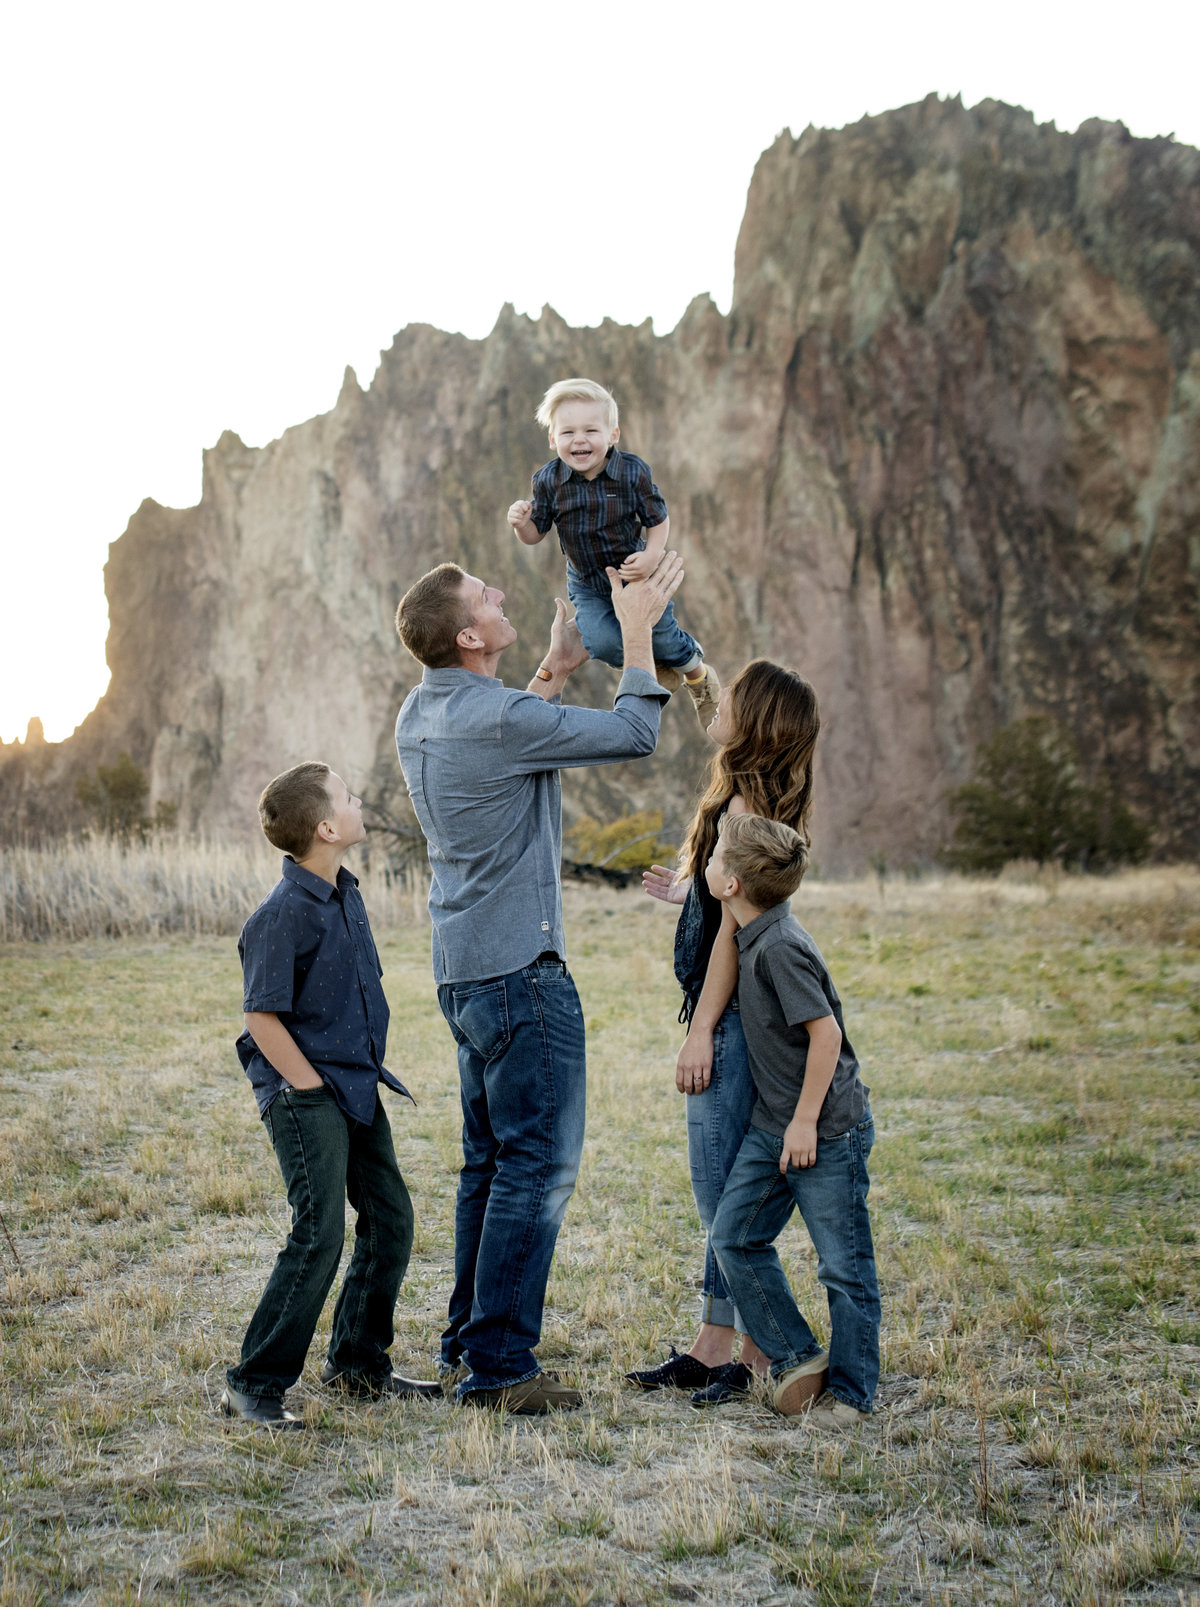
pixel 832 1413
pixel 542 1393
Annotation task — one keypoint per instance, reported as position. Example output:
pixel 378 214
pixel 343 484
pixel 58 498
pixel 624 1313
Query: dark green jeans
pixel 327 1159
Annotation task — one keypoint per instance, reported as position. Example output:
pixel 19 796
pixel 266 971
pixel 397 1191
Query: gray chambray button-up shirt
pixel 481 761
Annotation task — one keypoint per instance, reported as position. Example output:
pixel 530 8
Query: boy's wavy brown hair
pixel 776 721
pixel 767 857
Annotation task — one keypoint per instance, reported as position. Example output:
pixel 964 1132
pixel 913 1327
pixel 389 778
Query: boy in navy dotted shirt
pixel 316 1033
pixel 601 500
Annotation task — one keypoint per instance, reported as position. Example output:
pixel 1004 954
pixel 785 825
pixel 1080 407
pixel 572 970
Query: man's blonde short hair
pixel 575 390
pixel 767 857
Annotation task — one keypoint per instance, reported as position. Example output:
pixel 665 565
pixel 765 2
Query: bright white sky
pixel 210 209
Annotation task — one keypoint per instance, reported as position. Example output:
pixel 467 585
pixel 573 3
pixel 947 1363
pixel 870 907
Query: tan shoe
pixel 798 1388
pixel 704 692
pixel 542 1393
pixel 667 678
pixel 829 1412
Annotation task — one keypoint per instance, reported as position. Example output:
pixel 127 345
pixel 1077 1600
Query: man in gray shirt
pixel 481 762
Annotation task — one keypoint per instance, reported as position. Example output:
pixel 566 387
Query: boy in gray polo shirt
pixel 807 1147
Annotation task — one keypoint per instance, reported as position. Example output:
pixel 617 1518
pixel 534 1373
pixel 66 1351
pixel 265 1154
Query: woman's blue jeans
pixel 326 1159
pixel 717 1121
pixel 831 1196
pixel 601 631
pixel 522 1080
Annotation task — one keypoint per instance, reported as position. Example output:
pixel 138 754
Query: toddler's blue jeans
pixel 602 634
pixel 831 1196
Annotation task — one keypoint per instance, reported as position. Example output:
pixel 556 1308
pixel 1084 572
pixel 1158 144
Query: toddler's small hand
pixel 519 513
pixel 637 566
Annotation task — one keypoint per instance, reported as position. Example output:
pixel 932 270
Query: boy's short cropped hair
pixel 576 390
pixel 431 614
pixel 767 857
pixel 294 805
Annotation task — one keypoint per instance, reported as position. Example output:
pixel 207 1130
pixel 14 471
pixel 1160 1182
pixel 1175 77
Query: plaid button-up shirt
pixel 599 521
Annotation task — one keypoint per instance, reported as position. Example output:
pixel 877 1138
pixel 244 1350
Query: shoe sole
pixel 799 1395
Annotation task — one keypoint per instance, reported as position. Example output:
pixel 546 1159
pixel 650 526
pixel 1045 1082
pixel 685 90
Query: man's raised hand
pixel 566 651
pixel 643 602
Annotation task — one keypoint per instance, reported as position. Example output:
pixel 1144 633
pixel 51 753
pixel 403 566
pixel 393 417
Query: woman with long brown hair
pixel 766 729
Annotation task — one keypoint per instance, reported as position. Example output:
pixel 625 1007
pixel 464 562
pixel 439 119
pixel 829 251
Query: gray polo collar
pixel 755 928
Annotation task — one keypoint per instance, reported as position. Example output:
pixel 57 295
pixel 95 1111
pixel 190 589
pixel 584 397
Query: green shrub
pixel 631 843
pixel 115 798
pixel 1027 800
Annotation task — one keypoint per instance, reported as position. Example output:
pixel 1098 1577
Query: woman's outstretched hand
pixel 662 883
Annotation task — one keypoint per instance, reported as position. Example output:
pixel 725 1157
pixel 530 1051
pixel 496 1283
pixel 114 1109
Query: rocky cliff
pixel 943 456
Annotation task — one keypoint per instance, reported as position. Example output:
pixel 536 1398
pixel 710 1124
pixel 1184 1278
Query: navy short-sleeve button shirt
pixel 308 957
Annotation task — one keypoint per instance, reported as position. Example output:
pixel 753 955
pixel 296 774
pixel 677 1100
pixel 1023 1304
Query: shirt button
pixel 545 926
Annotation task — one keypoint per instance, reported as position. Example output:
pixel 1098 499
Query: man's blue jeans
pixel 832 1198
pixel 717 1121
pixel 522 1076
pixel 327 1159
pixel 601 630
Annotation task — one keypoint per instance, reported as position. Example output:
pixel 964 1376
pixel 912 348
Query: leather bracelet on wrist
pixel 543 674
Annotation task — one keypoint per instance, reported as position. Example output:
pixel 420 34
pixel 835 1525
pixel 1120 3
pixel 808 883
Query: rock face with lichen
pixel 942 455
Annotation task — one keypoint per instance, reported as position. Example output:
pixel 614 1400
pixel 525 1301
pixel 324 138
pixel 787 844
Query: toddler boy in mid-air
pixel 313 1048
pixel 601 501
pixel 806 1148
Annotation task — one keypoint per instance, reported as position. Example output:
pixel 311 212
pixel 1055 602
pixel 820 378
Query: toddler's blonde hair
pixel 575 390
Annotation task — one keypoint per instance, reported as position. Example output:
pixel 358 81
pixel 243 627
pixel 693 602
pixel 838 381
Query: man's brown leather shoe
pixel 542 1393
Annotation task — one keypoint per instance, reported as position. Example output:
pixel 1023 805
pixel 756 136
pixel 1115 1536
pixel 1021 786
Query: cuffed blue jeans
pixel 522 1079
pixel 831 1196
pixel 717 1121
pixel 601 631
pixel 327 1158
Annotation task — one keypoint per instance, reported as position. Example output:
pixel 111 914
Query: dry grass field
pixel 1032 1051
